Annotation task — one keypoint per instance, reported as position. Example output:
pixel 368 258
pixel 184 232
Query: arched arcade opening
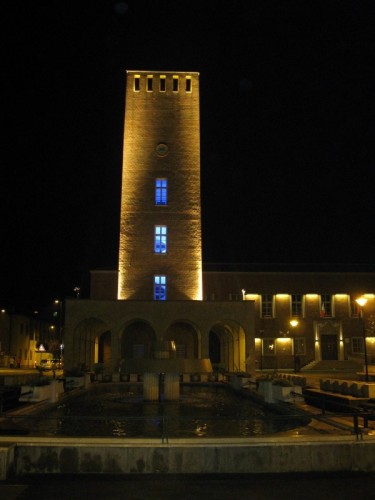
pixel 136 340
pixel 227 347
pixel 94 343
pixel 186 337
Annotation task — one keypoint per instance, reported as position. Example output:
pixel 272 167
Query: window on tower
pixel 160 287
pixel 188 84
pixel 160 240
pixel 162 83
pixel 149 83
pixel 161 191
pixel 137 79
pixel 175 83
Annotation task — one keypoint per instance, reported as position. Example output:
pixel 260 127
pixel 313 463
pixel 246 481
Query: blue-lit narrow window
pixel 161 191
pixel 160 287
pixel 160 240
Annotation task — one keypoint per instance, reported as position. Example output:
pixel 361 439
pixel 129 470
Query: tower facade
pixel 160 252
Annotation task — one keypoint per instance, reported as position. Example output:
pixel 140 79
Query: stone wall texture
pixel 161 140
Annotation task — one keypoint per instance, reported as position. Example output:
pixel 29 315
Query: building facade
pixel 26 339
pixel 303 317
pixel 160 305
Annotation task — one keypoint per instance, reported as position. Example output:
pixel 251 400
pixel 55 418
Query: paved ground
pixel 188 487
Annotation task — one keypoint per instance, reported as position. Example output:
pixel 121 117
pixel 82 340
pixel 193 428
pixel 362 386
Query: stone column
pixel 151 386
pixel 171 386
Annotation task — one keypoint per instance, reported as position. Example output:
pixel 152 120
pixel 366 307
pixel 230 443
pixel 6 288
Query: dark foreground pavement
pixel 340 486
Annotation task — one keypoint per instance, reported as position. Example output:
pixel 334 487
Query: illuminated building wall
pixel 161 187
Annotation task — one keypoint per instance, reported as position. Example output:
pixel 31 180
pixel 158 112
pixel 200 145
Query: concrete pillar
pixel 151 386
pixel 205 344
pixel 171 386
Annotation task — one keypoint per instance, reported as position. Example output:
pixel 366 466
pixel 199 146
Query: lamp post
pixel 294 323
pixel 362 301
pixel 261 332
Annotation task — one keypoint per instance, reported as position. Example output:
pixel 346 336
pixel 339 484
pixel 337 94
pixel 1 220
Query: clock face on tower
pixel 162 149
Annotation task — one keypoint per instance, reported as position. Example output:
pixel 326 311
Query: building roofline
pixel 280 267
pixel 158 71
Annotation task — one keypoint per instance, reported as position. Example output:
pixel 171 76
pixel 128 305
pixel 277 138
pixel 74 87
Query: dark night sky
pixel 287 130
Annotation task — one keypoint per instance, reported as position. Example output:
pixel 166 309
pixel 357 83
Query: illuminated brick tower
pixel 160 255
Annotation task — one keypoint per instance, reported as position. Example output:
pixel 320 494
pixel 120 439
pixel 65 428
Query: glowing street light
pixel 294 323
pixel 362 301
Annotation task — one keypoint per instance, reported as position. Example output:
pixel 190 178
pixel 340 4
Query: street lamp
pixel 58 314
pixel 294 323
pixel 261 332
pixel 362 301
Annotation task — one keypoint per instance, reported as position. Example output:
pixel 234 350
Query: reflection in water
pixel 119 410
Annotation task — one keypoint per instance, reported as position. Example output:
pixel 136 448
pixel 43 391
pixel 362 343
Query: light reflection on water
pixel 119 410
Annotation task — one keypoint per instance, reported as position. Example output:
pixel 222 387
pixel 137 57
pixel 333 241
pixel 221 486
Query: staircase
pixel 333 365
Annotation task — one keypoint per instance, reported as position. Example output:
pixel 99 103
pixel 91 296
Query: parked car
pixel 50 364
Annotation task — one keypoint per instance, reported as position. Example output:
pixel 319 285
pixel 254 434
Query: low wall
pixel 255 456
pixel 349 387
pixel 294 379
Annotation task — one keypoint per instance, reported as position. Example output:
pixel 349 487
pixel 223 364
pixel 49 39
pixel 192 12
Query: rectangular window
pixel 357 345
pixel 284 347
pixel 162 83
pixel 355 310
pixel 299 346
pixel 149 83
pixel 267 306
pixel 325 306
pixel 175 83
pixel 160 240
pixel 296 306
pixel 137 80
pixel 161 191
pixel 160 287
pixel 269 347
pixel 234 296
pixel 138 351
pixel 188 84
pixel 180 350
